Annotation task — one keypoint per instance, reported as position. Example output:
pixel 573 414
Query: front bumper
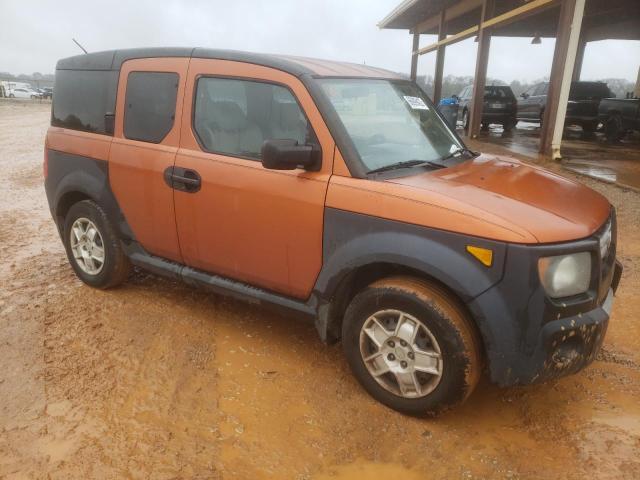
pixel 568 345
pixel 529 337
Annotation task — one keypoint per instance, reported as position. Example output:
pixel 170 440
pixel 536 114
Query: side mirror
pixel 524 95
pixel 288 155
pixel 109 123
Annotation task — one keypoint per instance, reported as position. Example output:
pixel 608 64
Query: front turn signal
pixel 484 255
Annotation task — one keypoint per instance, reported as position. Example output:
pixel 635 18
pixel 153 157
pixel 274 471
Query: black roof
pixel 113 59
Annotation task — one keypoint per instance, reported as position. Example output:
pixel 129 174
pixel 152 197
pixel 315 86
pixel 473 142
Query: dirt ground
pixel 157 380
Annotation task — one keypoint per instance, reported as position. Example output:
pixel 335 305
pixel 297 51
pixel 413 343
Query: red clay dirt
pixel 158 380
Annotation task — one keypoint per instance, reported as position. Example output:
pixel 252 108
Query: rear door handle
pixel 182 179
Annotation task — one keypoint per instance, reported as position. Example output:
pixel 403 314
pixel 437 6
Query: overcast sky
pixel 34 34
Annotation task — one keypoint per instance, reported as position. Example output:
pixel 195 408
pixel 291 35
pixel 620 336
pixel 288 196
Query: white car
pixel 23 93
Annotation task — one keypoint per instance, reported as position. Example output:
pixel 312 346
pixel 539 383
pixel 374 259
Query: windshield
pixel 390 121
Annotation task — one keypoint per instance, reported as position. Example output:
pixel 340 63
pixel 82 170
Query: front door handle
pixel 182 179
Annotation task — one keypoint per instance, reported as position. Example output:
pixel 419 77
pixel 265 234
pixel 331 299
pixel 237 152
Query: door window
pixel 235 117
pixel 150 105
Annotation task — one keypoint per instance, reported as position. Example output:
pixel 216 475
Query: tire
pixel 443 329
pixel 508 126
pixel 589 127
pixel 613 128
pixel 115 266
pixel 11 95
pixel 484 126
pixel 465 119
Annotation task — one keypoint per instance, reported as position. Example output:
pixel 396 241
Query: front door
pixel 145 142
pixel 243 221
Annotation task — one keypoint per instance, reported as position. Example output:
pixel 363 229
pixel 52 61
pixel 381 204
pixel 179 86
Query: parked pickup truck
pixel 619 115
pixel 582 107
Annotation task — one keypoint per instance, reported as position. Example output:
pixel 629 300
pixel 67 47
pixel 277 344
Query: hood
pixel 542 206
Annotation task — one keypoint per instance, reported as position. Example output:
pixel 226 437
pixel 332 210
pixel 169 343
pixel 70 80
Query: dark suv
pixel 582 109
pixel 499 106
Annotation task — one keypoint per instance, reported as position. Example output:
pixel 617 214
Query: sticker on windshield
pixel 416 103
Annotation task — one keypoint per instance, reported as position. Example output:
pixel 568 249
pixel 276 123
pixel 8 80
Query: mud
pixel 158 380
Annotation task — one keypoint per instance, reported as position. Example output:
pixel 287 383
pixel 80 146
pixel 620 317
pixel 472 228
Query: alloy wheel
pixel 87 246
pixel 401 353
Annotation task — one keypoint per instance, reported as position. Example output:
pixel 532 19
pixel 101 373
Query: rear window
pixel 498 92
pixel 585 90
pixel 150 105
pixel 82 99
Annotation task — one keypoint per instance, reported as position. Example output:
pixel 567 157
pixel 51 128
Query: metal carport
pixel 573 23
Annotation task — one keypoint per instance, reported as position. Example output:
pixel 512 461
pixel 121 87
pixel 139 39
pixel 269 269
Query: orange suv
pixel 337 191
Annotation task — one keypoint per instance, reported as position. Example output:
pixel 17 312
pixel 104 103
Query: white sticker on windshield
pixel 416 103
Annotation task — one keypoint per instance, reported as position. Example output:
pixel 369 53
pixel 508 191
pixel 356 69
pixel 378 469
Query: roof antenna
pixel 76 42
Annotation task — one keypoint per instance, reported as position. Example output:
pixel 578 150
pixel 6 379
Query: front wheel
pixel 93 247
pixel 411 346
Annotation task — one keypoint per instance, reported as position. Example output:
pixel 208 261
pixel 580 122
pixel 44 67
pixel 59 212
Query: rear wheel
pixel 93 248
pixel 613 128
pixel 411 346
pixel 465 119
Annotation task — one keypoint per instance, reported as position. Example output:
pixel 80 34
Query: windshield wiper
pixel 457 152
pixel 407 164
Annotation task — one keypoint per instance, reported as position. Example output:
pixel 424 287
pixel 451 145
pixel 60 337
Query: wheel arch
pixel 360 249
pixel 72 178
pixel 358 278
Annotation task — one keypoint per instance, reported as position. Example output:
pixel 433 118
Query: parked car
pixel 47 92
pixel 499 106
pixel 582 108
pixel 335 191
pixel 23 93
pixel 619 116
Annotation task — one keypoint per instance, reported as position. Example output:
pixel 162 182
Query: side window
pixel 235 117
pixel 82 99
pixel 150 105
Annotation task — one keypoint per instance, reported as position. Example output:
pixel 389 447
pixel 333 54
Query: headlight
pixel 565 275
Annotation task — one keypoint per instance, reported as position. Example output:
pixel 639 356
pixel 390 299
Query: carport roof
pixel 610 19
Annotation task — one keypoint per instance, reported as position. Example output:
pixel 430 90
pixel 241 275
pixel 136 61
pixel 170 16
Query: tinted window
pixel 497 92
pixel 82 98
pixel 150 105
pixel 236 116
pixel 586 90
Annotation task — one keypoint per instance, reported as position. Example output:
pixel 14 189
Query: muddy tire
pixel 443 360
pixel 613 128
pixel 93 248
